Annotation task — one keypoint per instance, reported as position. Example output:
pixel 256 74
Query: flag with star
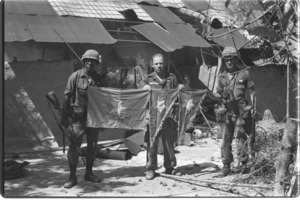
pixel 190 102
pixel 116 108
pixel 161 104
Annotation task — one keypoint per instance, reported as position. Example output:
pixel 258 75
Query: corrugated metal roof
pixel 171 3
pixel 38 7
pixel 160 14
pixel 151 2
pixel 233 39
pixel 198 6
pixel 16 29
pixel 53 28
pixel 186 35
pixel 122 5
pixel 163 3
pixel 102 9
pixel 158 36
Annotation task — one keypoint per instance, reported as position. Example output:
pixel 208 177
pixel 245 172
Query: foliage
pixel 270 24
pixel 267 147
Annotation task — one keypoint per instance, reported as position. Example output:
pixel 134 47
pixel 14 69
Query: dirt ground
pixel 47 172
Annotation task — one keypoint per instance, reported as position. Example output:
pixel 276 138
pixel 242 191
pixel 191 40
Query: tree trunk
pixel 285 158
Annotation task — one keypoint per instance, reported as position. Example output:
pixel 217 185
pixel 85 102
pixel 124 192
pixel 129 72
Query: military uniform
pixel 169 128
pixel 76 93
pixel 238 120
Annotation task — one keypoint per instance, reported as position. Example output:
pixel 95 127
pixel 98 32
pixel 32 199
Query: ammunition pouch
pixel 227 96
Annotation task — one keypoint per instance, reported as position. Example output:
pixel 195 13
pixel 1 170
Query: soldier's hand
pixel 147 87
pixel 253 112
pixel 181 86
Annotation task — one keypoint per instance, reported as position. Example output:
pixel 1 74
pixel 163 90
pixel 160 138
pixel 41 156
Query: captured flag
pixel 115 108
pixel 190 101
pixel 161 105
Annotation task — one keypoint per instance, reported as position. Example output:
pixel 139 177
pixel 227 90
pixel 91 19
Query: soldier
pixel 75 108
pixel 232 86
pixel 161 79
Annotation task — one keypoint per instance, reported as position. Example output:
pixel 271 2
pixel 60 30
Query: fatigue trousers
pixel 79 129
pixel 168 138
pixel 241 133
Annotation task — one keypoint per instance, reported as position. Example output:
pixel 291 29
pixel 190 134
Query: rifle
pixel 52 98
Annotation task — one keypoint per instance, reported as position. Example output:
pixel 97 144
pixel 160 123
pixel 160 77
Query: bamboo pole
pixel 214 182
pixel 192 13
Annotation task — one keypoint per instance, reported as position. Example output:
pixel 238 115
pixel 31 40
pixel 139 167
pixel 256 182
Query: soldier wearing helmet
pixel 75 108
pixel 234 111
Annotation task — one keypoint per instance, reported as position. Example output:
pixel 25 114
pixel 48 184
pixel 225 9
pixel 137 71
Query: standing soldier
pixel 232 86
pixel 164 80
pixel 75 99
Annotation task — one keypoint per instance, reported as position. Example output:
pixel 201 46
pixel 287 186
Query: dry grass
pixel 266 147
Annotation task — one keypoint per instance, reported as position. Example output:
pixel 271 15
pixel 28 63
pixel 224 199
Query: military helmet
pixel 91 54
pixel 229 52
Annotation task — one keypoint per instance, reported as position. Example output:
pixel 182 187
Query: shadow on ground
pixel 199 168
pixel 48 171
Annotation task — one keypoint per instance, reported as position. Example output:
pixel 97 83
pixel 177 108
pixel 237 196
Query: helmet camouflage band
pixel 91 54
pixel 229 52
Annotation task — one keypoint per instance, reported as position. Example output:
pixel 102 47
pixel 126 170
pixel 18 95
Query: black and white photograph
pixel 150 98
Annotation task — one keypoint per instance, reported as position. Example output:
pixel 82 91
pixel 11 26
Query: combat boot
pixel 150 175
pixel 91 177
pixel 73 178
pixel 172 171
pixel 243 168
pixel 224 172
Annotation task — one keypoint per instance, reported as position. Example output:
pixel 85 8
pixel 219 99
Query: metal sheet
pixel 58 24
pixel 102 9
pixel 158 36
pixel 16 29
pixel 40 31
pixel 233 39
pixel 186 35
pixel 198 6
pixel 54 28
pixel 159 14
pixel 152 2
pixel 88 30
pixel 37 7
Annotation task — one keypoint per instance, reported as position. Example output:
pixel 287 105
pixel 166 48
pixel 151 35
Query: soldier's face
pixel 90 64
pixel 158 64
pixel 231 62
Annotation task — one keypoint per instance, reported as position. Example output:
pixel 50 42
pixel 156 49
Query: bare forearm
pixel 253 98
pixel 66 105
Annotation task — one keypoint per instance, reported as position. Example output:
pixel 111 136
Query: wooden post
pixel 284 158
pixel 169 61
pixel 298 98
pixel 288 89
